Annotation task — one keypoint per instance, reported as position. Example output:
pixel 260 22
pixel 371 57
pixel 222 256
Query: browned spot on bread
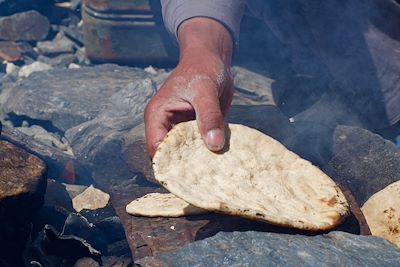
pixel 389 213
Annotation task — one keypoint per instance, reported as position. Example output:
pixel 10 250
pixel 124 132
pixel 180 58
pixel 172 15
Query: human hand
pixel 201 86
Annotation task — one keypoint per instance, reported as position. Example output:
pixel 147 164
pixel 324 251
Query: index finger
pixel 156 128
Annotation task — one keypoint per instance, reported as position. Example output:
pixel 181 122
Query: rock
pixel 81 56
pixel 62 60
pixel 152 236
pixel 73 66
pixel 259 249
pixel 50 242
pixel 112 228
pixel 11 69
pixel 265 118
pixel 22 188
pixel 75 4
pixel 28 51
pixel 117 261
pixel 312 141
pixel 60 164
pixel 57 196
pixel 74 190
pixel 363 161
pixel 150 70
pixel 133 151
pixel 92 199
pixel 86 262
pixel 103 134
pixel 55 210
pixel 251 88
pixel 59 45
pixel 10 51
pixel 37 66
pixel 21 175
pixel 50 139
pixel 65 97
pixel 25 26
pixel 74 32
pixel 78 226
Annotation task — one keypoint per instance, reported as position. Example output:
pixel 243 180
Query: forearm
pixel 201 36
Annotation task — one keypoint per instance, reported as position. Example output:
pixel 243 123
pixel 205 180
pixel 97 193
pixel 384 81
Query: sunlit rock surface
pixel 269 249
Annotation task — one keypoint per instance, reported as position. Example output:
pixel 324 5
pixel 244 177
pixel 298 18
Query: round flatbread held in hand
pixel 254 176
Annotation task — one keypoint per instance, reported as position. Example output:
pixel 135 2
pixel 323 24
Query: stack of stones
pixel 40 35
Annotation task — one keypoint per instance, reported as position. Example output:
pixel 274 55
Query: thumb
pixel 209 117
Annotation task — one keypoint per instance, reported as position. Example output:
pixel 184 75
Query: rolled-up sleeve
pixel 228 12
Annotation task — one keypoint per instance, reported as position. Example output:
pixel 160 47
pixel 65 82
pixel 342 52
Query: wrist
pixel 204 36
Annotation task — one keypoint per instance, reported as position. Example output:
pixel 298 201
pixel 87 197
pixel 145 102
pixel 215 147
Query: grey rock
pixel 124 111
pixel 117 261
pixel 251 87
pixel 37 66
pixel 81 56
pixel 62 61
pixel 78 226
pixel 71 97
pixel 74 32
pixel 24 26
pixel 270 249
pixel 55 158
pixel 112 228
pixel 12 69
pixel 50 242
pixel 48 138
pixel 86 262
pixel 363 161
pixel 59 45
pixel 75 4
pixel 74 189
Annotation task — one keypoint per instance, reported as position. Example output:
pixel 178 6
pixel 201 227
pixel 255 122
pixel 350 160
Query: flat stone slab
pixel 69 97
pixel 152 236
pixel 271 249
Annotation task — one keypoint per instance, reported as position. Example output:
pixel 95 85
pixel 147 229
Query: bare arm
pixel 201 86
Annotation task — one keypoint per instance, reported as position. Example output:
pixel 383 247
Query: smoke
pixel 342 49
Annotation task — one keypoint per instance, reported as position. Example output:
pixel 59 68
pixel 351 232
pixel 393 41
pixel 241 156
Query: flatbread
pixel 382 212
pixel 254 176
pixel 162 205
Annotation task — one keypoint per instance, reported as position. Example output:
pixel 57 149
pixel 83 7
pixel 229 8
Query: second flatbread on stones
pixel 254 177
pixel 161 205
pixel 382 212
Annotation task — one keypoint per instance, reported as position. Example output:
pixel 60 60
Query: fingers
pixel 160 115
pixel 156 127
pixel 209 116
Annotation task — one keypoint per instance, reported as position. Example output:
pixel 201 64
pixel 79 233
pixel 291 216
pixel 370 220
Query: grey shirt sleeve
pixel 228 12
